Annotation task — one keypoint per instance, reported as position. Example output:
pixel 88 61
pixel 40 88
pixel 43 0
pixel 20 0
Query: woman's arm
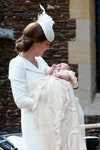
pixel 63 76
pixel 18 85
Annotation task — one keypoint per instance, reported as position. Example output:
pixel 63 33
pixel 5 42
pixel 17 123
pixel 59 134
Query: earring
pixel 37 47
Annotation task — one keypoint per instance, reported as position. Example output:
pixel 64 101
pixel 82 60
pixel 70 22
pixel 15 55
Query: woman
pixel 26 72
pixel 26 69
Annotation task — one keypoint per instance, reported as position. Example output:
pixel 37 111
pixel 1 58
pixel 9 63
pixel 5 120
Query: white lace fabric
pixel 71 74
pixel 58 115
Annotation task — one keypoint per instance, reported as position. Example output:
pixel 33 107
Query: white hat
pixel 46 23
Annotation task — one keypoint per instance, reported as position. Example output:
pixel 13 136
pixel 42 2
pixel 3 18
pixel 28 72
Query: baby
pixel 54 97
pixel 63 71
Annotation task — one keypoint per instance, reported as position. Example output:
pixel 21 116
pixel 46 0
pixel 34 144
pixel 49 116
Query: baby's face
pixel 63 66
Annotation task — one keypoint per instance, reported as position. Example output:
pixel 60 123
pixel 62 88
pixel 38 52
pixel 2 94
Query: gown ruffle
pixel 58 115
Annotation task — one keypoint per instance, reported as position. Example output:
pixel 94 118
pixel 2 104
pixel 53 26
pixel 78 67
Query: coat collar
pixel 29 66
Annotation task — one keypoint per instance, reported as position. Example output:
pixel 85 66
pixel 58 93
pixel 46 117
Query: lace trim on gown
pixel 58 115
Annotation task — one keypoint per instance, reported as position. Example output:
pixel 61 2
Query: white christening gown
pixel 58 114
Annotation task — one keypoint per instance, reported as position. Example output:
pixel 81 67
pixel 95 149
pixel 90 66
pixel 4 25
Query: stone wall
pixel 15 15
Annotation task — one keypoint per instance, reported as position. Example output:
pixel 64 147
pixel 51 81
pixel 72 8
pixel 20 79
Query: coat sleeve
pixel 18 84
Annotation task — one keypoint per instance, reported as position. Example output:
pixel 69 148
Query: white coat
pixel 23 76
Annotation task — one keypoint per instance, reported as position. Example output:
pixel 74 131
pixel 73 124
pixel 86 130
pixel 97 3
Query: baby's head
pixel 63 66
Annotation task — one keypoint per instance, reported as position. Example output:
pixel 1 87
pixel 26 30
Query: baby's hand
pixel 51 69
pixel 54 66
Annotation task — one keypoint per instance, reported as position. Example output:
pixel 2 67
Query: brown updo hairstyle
pixel 32 33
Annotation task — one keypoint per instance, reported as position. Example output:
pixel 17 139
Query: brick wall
pixel 16 15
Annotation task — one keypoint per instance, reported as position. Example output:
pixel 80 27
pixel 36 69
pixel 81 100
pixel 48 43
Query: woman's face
pixel 42 47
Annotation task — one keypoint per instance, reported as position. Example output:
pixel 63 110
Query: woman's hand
pixel 62 76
